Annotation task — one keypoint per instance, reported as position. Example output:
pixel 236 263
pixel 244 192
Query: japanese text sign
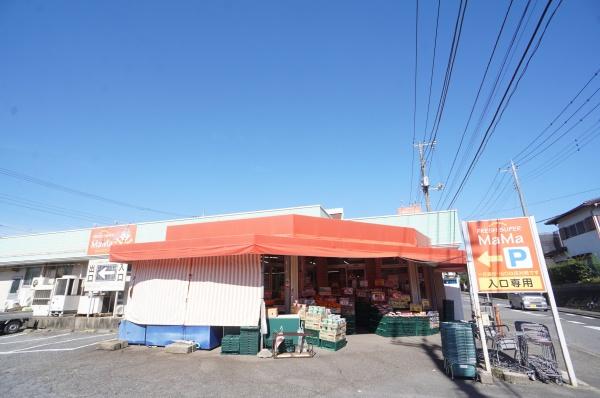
pixel 101 239
pixel 103 275
pixel 504 256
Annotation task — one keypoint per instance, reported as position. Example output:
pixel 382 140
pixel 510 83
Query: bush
pixel 575 271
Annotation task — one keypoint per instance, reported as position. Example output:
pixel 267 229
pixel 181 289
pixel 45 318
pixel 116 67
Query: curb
pixel 579 312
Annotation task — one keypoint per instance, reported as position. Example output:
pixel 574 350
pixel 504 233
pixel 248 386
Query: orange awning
pixel 289 235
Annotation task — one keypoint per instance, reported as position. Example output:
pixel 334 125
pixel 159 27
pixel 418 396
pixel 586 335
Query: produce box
pixel 332 336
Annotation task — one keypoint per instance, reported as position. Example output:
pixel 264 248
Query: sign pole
pixel 475 297
pixel 561 336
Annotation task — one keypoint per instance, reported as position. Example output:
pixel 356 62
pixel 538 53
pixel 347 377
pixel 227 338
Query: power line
pixel 487 192
pixel 502 105
pixel 544 149
pixel 563 110
pixel 477 96
pixel 543 169
pixel 546 201
pixel 487 104
pixel 448 75
pixel 63 188
pixel 437 23
pixel 412 162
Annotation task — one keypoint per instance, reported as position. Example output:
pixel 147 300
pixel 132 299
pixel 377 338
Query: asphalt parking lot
pixel 67 364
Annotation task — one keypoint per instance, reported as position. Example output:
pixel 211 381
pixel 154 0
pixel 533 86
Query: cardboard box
pixel 272 312
pixel 416 308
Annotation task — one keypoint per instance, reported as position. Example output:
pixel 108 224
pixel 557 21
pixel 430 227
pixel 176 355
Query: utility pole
pixel 513 170
pixel 424 177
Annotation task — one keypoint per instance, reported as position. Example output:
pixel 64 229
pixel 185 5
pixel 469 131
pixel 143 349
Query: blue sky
pixel 213 107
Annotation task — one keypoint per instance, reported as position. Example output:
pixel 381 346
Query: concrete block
pixel 110 345
pixel 515 378
pixel 124 343
pixel 180 348
pixel 485 377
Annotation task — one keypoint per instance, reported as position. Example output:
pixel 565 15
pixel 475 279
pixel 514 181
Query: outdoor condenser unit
pixel 66 295
pixel 42 292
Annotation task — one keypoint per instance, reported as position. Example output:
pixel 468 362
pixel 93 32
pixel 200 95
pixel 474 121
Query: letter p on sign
pixel 518 257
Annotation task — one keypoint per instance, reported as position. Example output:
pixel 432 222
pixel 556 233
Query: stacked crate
pixel 402 326
pixel 312 324
pixel 249 340
pixel 230 344
pixel 458 347
pixel 333 333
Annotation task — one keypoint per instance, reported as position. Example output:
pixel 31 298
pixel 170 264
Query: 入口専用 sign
pixel 504 256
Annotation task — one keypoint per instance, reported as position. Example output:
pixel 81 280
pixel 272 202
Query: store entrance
pixel 364 290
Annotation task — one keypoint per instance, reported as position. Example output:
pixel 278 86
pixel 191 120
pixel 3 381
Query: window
pixel 579 228
pixel 589 224
pixel 14 287
pixel 31 273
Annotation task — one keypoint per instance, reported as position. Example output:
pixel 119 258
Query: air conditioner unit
pixel 66 295
pixel 42 293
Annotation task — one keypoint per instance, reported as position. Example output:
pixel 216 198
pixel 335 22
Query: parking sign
pixel 504 256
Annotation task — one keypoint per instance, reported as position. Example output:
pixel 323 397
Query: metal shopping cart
pixel 536 351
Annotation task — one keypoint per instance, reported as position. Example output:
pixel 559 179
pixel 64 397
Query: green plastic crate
pixel 329 345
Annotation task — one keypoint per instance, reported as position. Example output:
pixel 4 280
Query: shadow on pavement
pixel 434 352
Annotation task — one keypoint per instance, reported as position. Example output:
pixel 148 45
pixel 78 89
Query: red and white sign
pixel 101 239
pixel 504 256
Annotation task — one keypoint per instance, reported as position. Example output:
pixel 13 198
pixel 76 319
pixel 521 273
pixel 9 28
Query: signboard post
pixel 475 299
pixel 505 256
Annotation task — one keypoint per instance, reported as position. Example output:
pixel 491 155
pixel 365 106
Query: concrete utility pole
pixel 424 177
pixel 513 170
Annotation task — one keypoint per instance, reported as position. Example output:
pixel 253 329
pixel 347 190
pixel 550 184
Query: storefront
pixel 218 274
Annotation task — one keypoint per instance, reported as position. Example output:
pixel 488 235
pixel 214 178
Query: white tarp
pixel 208 291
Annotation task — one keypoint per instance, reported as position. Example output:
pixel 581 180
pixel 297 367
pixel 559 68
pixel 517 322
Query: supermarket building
pixel 220 270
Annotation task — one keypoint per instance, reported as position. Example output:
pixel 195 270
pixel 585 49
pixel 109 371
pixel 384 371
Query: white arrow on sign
pixel 102 273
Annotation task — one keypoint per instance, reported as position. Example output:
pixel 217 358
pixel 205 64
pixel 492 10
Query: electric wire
pixel 437 23
pixel 487 68
pixel 412 162
pixel 502 105
pixel 448 77
pixel 63 188
pixel 563 110
pixel 486 106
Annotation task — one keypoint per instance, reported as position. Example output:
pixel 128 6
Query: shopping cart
pixel 536 351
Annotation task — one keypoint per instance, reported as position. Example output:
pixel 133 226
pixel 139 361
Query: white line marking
pixel 41 338
pixel 576 322
pixel 566 313
pixel 593 327
pixel 62 341
pixel 14 335
pixel 54 349
pixel 586 317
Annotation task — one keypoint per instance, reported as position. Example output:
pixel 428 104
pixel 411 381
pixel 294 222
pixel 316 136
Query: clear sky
pixel 224 106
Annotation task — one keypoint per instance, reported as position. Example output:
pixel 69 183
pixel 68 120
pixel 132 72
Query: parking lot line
pixel 593 327
pixel 576 322
pixel 41 338
pixel 14 335
pixel 62 341
pixel 54 349
pixel 586 317
pixel 566 313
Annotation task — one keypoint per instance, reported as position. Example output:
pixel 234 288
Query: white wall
pixel 588 242
pixel 72 245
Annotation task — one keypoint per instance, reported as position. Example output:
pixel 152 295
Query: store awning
pixel 289 235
